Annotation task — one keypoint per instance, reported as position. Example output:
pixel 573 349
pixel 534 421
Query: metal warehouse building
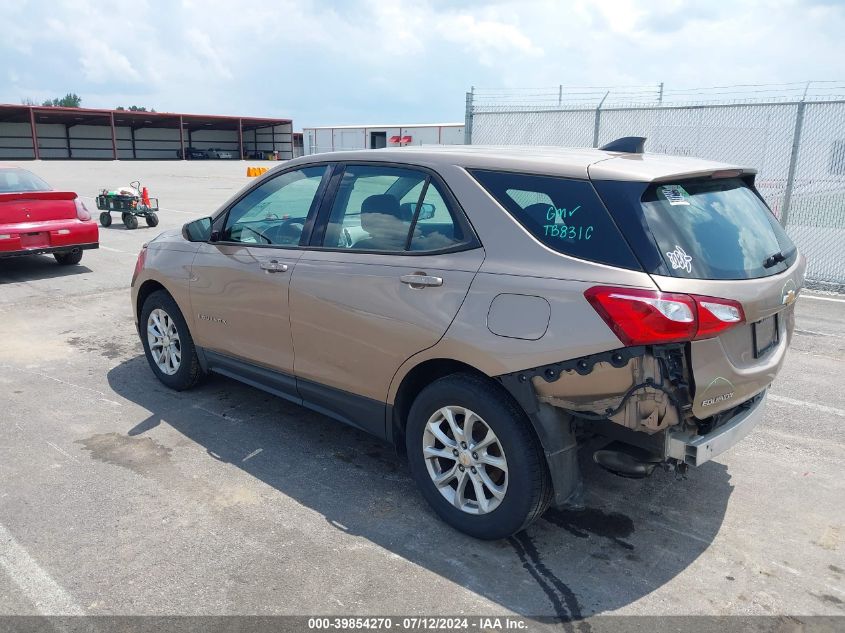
pixel 41 132
pixel 347 137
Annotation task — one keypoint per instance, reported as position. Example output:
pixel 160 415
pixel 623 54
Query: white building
pixel 345 137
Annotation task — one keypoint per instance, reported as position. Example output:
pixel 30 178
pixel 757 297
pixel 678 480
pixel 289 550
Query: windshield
pixel 716 229
pixel 14 180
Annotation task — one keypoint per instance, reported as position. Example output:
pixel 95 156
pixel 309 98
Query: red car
pixel 35 219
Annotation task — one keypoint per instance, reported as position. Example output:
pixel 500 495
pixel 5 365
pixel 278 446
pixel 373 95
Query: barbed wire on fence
pixel 649 95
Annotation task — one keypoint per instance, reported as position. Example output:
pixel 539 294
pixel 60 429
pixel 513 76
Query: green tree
pixel 70 100
pixel 134 108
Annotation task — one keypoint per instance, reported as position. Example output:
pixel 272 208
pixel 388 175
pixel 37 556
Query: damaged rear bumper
pixel 693 449
pixel 635 398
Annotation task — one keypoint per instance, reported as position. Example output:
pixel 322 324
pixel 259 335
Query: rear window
pixel 565 215
pixel 716 229
pixel 17 180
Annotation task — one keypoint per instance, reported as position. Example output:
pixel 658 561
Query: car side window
pixel 564 214
pixel 372 210
pixel 435 227
pixel 391 209
pixel 274 213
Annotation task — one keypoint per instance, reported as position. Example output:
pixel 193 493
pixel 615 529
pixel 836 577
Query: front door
pixel 393 268
pixel 239 286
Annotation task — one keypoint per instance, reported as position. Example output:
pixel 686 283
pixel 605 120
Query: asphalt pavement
pixel 118 496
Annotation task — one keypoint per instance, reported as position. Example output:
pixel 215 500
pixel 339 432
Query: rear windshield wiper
pixel 771 260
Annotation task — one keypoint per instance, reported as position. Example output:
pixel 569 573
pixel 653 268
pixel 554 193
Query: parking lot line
pixel 46 595
pixel 807 404
pixel 817 333
pixel 818 298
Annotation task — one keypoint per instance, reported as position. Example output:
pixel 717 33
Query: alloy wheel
pixel 465 460
pixel 163 339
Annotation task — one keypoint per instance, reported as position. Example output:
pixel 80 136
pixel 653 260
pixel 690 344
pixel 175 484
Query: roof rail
pixel 626 144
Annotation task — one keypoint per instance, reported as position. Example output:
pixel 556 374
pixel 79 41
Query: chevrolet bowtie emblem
pixel 788 297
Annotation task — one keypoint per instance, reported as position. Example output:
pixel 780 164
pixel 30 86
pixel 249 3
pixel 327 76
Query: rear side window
pixel 380 208
pixel 716 229
pixel 374 208
pixel 435 228
pixel 565 215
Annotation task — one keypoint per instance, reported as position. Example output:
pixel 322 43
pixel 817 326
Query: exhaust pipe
pixel 626 461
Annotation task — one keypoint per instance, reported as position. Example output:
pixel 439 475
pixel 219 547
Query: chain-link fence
pixel 794 134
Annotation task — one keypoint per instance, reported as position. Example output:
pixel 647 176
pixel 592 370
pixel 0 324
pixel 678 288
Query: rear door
pixel 391 263
pixel 715 237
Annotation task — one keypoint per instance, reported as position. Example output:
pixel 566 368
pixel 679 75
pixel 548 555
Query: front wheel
pixel 105 219
pixel 475 457
pixel 152 219
pixel 167 342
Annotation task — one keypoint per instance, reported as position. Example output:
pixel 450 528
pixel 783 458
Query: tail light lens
pixel 81 210
pixel 717 315
pixel 647 317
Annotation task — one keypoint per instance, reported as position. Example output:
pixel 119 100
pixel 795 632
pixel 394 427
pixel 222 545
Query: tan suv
pixel 489 310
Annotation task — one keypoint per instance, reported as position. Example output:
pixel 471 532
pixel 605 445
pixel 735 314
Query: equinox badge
pixel 213 319
pixel 709 402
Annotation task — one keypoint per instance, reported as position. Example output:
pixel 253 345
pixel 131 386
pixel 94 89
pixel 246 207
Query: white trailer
pixel 346 137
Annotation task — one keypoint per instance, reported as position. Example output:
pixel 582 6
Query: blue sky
pixel 324 63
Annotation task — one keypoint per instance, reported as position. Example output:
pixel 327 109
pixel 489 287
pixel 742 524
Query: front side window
pixel 274 213
pixel 390 209
pixel 564 214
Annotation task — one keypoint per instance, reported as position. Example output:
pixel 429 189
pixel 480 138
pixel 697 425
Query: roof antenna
pixel 626 144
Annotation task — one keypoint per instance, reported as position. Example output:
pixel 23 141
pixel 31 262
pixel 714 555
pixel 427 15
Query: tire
pixel 68 259
pixel 129 221
pixel 152 219
pixel 188 371
pixel 105 219
pixel 524 486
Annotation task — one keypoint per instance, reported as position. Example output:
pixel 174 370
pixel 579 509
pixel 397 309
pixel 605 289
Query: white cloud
pixel 101 64
pixel 368 60
pixel 488 39
pixel 201 43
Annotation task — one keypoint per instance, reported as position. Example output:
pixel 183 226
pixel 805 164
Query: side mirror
pixel 198 230
pixel 426 211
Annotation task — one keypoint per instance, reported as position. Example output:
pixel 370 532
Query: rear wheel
pixel 105 219
pixel 152 219
pixel 475 457
pixel 167 342
pixel 68 259
pixel 129 221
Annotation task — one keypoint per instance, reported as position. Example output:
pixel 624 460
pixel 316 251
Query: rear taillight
pixel 81 211
pixel 647 317
pixel 717 315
